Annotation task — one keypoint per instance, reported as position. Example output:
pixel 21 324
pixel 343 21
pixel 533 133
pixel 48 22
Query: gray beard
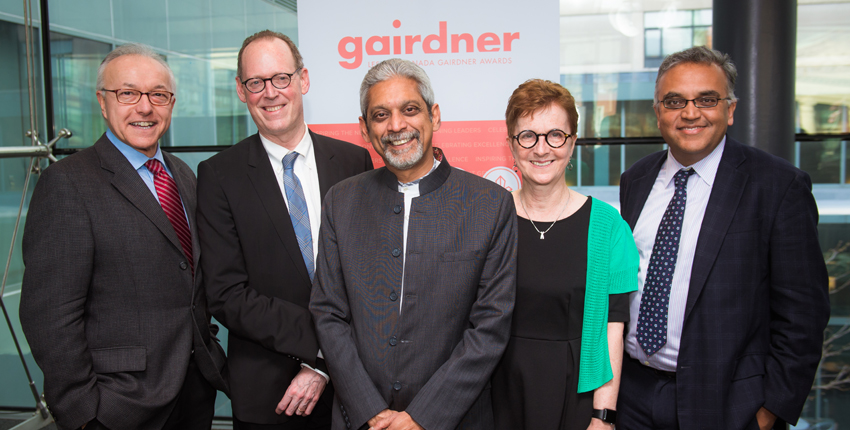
pixel 405 159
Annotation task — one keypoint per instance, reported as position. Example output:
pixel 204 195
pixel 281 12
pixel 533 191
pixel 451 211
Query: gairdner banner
pixel 475 52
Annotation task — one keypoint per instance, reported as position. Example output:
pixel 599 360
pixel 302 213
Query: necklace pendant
pixel 541 235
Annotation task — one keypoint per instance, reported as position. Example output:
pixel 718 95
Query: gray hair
pixel 392 68
pixel 134 49
pixel 700 55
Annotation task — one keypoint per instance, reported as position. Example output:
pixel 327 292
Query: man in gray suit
pixel 111 303
pixel 415 273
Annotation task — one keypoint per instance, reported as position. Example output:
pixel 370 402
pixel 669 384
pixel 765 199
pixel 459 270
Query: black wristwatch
pixel 607 415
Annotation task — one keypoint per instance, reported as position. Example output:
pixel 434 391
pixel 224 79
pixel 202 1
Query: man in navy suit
pixel 733 338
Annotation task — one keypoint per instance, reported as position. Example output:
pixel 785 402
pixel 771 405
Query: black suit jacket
pixel 258 285
pixel 108 305
pixel 757 302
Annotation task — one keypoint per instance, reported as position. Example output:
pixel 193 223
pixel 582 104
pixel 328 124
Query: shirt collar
pixel 304 148
pixel 705 169
pixel 136 158
pixel 416 182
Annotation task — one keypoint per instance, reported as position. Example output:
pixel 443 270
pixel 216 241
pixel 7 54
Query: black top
pixel 536 383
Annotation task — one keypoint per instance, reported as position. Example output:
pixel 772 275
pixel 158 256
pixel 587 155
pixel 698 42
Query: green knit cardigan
pixel 612 268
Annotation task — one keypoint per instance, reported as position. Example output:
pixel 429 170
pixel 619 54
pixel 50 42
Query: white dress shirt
pixel 305 169
pixel 410 191
pixel 698 192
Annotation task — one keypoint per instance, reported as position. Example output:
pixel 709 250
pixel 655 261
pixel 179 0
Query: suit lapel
pixel 325 164
pixel 128 182
pixel 265 183
pixel 723 202
pixel 639 191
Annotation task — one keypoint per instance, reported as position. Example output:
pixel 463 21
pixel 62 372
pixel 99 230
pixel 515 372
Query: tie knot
pixel 154 166
pixel 682 176
pixel 289 160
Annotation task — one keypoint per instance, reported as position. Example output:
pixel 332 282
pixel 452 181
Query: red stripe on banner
pixel 479 147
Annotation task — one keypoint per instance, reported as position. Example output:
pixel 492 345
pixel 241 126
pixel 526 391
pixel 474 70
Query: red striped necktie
pixel 169 199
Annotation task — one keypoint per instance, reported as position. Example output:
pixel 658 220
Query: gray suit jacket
pixel 109 305
pixel 434 358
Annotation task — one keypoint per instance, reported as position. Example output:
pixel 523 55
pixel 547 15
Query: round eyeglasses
pixel 279 81
pixel 555 138
pixel 700 102
pixel 127 96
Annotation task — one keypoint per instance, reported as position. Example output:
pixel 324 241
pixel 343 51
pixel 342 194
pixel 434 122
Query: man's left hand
pixel 765 419
pixel 399 421
pixel 303 393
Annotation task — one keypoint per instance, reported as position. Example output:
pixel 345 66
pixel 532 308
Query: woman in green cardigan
pixel 576 264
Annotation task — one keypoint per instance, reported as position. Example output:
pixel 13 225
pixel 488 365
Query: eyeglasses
pixel 700 102
pixel 127 96
pixel 555 138
pixel 279 81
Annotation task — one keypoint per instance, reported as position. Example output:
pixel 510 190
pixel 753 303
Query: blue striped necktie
pixel 298 211
pixel 652 319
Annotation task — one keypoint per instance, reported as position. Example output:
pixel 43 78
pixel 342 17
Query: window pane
pixel 677 18
pixel 652 43
pixel 702 36
pixel 823 67
pixel 676 39
pixel 652 19
pixel 74 65
pixel 703 17
pixel 14 123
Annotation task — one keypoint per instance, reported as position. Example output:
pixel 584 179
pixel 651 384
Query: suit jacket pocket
pixel 119 359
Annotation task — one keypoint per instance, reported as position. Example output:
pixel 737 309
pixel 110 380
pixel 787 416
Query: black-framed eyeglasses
pixel 555 138
pixel 126 96
pixel 279 81
pixel 700 102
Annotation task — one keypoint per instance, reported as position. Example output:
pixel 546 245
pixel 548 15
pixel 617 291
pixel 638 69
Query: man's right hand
pixel 302 394
pixel 386 413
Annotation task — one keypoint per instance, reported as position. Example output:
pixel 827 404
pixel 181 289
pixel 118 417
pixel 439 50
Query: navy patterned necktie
pixel 298 211
pixel 652 319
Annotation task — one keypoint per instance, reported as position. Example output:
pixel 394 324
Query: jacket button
pixel 393 341
pixel 184 265
pixel 397 209
pixel 397 386
pixel 396 252
pixel 393 296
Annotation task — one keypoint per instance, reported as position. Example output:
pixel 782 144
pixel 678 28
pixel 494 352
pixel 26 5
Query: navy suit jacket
pixel 757 302
pixel 256 279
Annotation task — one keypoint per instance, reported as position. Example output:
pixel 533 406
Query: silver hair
pixel 700 55
pixel 396 67
pixel 134 49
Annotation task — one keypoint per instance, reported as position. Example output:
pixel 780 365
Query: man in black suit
pixel 259 206
pixel 112 302
pixel 739 325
